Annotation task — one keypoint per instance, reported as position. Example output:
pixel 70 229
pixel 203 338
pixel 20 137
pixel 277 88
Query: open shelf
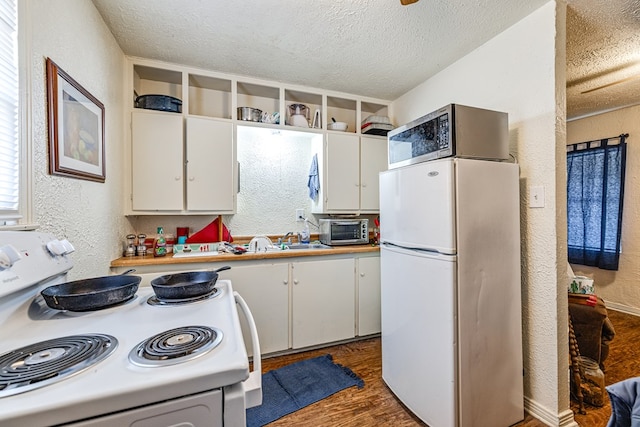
pixel 342 110
pixel 216 95
pixel 300 99
pixel 264 98
pixel 156 81
pixel 209 96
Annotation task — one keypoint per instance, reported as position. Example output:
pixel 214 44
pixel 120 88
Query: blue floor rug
pixel 287 389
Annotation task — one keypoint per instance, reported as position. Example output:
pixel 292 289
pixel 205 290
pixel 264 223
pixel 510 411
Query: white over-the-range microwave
pixel 451 131
pixel 336 232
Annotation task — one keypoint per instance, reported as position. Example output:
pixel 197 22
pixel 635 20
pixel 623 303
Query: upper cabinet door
pixel 210 172
pixel 343 172
pixel 157 161
pixel 373 160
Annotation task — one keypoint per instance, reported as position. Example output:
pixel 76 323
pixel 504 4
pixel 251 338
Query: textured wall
pixel 89 214
pixel 618 288
pixel 273 181
pixel 518 72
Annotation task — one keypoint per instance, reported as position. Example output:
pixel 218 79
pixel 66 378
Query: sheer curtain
pixel 595 190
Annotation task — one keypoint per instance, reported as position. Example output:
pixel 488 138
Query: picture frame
pixel 76 128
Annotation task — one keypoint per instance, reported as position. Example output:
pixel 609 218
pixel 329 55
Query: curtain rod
pixel 587 144
pixel 626 135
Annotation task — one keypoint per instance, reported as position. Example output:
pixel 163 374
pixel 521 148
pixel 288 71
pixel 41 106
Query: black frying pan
pixel 186 285
pixel 92 294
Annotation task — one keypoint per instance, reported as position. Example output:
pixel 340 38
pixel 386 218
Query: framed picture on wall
pixel 76 128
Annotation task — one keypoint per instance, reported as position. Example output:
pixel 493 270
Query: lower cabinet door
pixel 368 295
pixel 323 303
pixel 265 288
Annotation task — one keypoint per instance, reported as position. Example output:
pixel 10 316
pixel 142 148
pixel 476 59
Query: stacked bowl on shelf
pixel 376 125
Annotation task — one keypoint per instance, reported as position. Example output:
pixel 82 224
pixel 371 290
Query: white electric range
pixel 135 363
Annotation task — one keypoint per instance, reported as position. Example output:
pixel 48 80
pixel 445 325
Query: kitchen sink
pixel 306 246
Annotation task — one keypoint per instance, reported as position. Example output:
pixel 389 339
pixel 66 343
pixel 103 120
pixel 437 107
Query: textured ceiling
pixel 603 55
pixel 374 48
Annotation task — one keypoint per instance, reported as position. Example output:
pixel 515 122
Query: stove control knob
pixel 8 256
pixel 55 247
pixel 68 247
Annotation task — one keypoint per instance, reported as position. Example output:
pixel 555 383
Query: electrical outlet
pixel 299 215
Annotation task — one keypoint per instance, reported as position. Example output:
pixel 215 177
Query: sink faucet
pixel 286 238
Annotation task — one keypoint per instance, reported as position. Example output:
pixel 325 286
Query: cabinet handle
pixel 177 178
pixel 191 178
pixel 285 282
pixel 361 274
pixel 295 281
pixel 364 185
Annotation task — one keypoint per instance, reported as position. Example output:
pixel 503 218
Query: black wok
pixel 92 294
pixel 186 285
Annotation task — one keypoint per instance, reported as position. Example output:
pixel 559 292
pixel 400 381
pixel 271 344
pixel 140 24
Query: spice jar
pixel 592 379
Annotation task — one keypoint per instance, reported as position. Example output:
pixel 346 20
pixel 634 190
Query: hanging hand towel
pixel 314 178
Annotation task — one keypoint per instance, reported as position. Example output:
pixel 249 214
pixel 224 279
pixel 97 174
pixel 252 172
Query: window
pixel 595 190
pixel 9 125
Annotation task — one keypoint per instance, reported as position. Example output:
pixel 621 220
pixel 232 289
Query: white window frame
pixel 24 217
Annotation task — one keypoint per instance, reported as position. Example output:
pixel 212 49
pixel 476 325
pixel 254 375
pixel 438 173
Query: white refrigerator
pixel 451 294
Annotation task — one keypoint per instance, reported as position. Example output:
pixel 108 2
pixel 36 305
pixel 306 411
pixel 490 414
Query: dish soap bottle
pixel 160 244
pixel 305 236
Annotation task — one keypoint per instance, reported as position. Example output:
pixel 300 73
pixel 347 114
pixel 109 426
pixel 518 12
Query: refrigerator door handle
pixel 409 248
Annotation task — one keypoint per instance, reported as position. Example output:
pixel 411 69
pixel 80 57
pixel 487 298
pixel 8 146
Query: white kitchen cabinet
pixel 210 170
pixel 342 172
pixel 160 180
pixel 323 301
pixel 368 283
pixel 208 165
pixel 157 161
pixel 373 160
pixel 265 288
pixel 349 165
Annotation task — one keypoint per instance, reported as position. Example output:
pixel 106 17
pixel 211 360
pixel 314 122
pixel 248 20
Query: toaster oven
pixel 344 231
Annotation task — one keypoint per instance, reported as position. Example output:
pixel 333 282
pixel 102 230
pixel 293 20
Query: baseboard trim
pixel 622 308
pixel 550 418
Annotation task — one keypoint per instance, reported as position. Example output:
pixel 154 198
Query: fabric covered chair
pixel 592 327
pixel 625 403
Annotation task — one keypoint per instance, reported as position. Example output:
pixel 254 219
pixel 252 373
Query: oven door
pixel 204 409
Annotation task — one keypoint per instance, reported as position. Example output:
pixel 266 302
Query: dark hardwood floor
pixel 375 405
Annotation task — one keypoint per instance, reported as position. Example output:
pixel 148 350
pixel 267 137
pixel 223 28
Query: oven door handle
pixel 252 385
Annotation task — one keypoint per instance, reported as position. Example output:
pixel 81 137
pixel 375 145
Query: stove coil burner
pixel 154 300
pixel 46 362
pixel 175 346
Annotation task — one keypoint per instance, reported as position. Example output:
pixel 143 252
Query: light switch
pixel 536 196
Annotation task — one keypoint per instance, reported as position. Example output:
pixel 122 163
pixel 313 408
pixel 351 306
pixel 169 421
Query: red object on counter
pixel 210 234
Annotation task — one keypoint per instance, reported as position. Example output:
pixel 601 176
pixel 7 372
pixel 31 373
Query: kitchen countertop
pixel 227 257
